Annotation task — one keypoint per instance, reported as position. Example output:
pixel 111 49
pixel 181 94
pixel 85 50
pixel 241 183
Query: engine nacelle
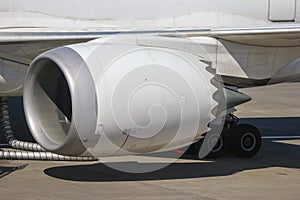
pixel 113 99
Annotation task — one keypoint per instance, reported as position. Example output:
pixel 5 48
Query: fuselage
pixel 141 14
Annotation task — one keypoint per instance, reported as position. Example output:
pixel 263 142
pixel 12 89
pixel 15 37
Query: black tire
pixel 245 140
pixel 194 148
pixel 220 148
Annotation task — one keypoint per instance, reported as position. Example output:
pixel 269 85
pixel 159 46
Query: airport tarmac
pixel 273 174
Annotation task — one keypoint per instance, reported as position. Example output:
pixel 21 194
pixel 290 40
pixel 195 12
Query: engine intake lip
pixel 80 91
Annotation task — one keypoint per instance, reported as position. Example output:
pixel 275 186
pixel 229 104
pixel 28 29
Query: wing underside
pixel 22 45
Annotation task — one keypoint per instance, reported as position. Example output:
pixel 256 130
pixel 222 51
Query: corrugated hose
pixel 26 150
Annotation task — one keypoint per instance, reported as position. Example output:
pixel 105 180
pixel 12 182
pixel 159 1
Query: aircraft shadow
pixel 272 154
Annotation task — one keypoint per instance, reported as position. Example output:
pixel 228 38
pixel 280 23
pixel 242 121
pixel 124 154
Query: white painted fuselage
pixel 141 14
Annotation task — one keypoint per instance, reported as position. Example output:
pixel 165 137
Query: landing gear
pixel 242 140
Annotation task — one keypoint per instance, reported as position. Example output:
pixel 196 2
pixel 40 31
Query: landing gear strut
pixel 242 140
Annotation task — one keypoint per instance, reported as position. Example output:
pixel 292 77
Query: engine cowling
pixel 114 98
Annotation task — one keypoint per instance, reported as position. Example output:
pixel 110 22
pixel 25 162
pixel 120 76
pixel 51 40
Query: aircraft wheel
pixel 221 145
pixel 245 140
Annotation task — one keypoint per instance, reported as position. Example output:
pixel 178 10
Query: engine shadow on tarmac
pixel 272 154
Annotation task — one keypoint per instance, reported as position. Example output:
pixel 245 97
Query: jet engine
pixel 113 98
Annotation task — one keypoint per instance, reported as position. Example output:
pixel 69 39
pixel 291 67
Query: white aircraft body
pixel 120 77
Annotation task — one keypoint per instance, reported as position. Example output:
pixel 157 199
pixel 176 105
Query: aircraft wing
pixel 24 44
pixel 285 35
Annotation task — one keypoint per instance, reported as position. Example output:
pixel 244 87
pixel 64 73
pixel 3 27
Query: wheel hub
pixel 248 142
pixel 216 144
